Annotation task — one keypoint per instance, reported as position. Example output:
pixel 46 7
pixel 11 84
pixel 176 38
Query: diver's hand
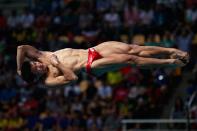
pixel 54 60
pixel 180 55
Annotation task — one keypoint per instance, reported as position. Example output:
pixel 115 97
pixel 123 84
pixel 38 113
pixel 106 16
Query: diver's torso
pixel 74 59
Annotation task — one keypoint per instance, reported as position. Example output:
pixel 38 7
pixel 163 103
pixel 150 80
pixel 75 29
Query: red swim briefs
pixel 92 55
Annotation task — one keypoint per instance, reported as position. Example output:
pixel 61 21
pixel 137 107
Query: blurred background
pixel 115 100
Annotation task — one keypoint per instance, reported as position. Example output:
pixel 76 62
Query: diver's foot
pixel 180 55
pixel 177 62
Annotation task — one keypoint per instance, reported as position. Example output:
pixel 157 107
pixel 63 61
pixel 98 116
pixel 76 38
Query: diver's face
pixel 38 68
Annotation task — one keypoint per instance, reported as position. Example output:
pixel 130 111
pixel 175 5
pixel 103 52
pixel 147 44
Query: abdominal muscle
pixel 72 58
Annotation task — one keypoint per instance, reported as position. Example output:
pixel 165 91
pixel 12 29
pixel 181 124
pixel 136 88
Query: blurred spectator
pixel 183 40
pixel 191 14
pixel 77 106
pixel 178 109
pixel 85 19
pixel 112 18
pixel 146 16
pixel 104 91
pixel 47 120
pixel 117 5
pixel 42 21
pixel 178 112
pixel 94 123
pixel 102 5
pixel 113 119
pixel 13 19
pixel 91 92
pixel 168 40
pixel 3 21
pixel 159 15
pixel 131 15
pixel 114 78
pixel 26 19
pixel 120 93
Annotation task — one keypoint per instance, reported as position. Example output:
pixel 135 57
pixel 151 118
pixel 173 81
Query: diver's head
pixel 32 71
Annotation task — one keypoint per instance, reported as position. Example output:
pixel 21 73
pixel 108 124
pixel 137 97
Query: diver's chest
pixel 70 61
pixel 55 71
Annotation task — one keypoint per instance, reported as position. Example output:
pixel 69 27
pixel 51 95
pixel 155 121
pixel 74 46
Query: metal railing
pixel 188 106
pixel 158 122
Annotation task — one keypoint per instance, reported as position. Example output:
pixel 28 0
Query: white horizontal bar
pixel 158 121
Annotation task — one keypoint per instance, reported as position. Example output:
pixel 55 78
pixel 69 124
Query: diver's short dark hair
pixel 26 72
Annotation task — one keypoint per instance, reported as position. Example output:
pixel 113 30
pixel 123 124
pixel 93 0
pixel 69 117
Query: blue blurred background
pixel 97 104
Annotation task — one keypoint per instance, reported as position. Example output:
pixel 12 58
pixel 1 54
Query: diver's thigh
pixel 113 59
pixel 112 47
